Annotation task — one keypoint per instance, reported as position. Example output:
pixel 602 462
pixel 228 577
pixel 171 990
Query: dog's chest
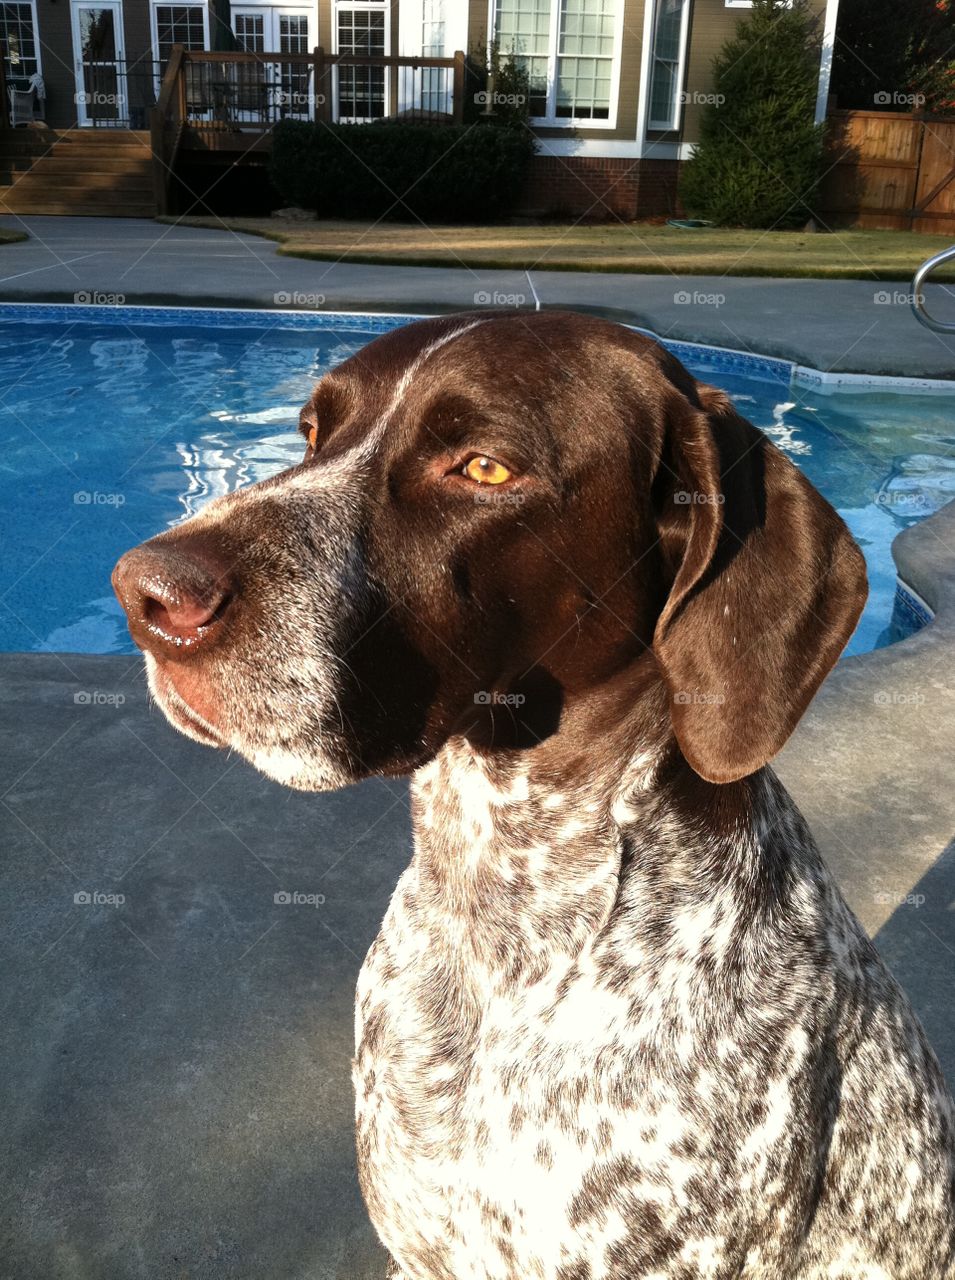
pixel 479 1113
pixel 529 1126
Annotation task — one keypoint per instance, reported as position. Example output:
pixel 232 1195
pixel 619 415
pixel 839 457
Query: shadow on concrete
pixel 918 944
pixel 177 1050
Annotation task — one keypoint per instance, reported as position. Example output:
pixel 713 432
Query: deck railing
pixel 242 92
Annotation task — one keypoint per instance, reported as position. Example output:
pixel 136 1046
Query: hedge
pixel 440 173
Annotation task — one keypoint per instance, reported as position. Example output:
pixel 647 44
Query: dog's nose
pixel 175 598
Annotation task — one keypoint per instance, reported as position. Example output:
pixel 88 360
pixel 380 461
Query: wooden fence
pixel 890 170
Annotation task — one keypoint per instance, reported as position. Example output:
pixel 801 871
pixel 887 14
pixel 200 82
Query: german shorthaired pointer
pixel 619 1022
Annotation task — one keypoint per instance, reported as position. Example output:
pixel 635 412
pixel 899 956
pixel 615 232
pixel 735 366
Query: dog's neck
pixel 522 855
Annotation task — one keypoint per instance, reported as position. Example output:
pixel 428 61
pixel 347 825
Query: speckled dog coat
pixel 619 1023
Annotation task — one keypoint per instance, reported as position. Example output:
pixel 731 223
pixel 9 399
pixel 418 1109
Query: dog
pixel 619 1023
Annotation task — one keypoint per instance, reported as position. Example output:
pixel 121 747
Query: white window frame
pixel 154 30
pixel 36 40
pixel 286 8
pixel 672 125
pixel 551 120
pixel 366 6
pixel 154 26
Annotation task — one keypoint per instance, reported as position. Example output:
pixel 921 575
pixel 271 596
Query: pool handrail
pixel 918 298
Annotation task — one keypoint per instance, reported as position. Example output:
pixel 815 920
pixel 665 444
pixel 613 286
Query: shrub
pixel 759 158
pixel 439 173
pixel 508 86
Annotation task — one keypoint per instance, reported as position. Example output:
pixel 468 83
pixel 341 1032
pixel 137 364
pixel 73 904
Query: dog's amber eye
pixel 312 438
pixel 486 471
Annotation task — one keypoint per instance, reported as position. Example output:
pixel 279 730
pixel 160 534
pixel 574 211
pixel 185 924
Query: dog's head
pixel 495 515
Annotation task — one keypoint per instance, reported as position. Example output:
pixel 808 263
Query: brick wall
pixel 599 188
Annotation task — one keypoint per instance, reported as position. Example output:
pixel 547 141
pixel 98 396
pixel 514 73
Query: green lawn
pixel 636 247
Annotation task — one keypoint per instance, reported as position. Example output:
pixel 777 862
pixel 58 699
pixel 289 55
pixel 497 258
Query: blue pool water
pixel 114 428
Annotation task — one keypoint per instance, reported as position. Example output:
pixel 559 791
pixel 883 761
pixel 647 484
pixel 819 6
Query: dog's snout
pixel 175 599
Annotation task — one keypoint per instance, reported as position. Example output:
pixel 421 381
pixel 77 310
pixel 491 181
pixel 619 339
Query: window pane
pixel 16 32
pixel 361 90
pixel 523 33
pixel 250 32
pixel 178 24
pixel 585 58
pixel 666 71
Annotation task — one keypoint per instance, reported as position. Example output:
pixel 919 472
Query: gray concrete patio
pixel 178 1040
pixel 844 325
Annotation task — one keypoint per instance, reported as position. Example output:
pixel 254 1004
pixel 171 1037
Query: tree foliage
pixel 759 158
pixel 894 56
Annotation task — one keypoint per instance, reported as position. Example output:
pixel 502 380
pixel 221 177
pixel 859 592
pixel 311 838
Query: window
pixel 17 31
pixel 666 63
pixel 436 82
pixel 568 48
pixel 294 80
pixel 179 24
pixel 249 32
pixel 361 29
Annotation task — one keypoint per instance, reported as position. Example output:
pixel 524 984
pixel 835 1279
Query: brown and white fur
pixel 619 1023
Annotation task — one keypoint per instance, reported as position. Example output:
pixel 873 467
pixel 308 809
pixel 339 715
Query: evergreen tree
pixel 759 158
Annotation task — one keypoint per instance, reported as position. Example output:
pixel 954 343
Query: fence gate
pixel 890 170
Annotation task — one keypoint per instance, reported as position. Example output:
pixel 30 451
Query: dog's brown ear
pixel 768 586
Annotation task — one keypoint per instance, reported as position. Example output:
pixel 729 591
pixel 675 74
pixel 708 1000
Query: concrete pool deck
pixel 842 325
pixel 178 1036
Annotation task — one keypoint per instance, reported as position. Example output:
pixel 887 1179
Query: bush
pixel 760 153
pixel 439 173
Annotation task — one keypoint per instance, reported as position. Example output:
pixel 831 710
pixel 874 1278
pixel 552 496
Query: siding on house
pixel 711 25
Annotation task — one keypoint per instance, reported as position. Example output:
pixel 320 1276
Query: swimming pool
pixel 120 421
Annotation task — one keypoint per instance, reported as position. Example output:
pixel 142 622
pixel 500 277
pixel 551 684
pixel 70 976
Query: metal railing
pixel 119 93
pixel 243 90
pixel 918 297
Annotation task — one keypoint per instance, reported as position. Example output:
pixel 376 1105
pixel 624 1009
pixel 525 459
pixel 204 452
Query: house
pixel 616 86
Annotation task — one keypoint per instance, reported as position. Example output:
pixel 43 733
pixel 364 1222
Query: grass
pixel 647 248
